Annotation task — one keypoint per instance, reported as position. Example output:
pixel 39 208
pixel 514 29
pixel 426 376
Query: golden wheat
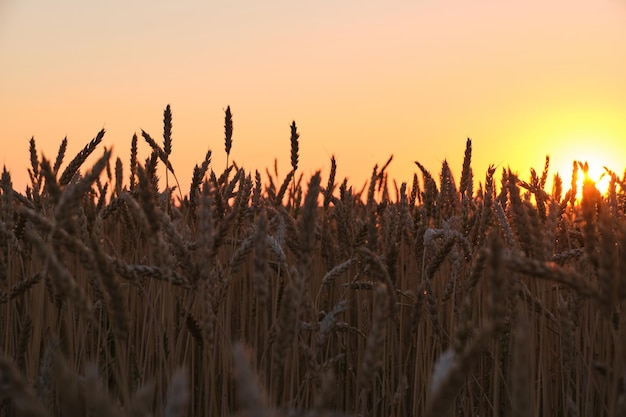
pixel 273 295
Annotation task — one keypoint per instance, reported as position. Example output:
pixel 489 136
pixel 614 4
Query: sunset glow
pixel 599 177
pixel 592 150
pixel 362 80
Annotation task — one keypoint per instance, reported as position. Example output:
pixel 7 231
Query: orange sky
pixel 362 79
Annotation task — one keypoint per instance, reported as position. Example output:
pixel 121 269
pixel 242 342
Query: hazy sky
pixel 362 79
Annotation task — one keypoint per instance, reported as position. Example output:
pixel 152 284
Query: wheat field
pixel 121 293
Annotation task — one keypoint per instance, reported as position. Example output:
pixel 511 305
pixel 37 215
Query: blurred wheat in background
pixel 256 294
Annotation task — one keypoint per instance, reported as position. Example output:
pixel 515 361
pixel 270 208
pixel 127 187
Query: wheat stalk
pixel 228 133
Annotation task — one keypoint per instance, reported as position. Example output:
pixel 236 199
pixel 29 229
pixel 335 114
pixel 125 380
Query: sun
pixel 596 174
pixel 589 166
pixel 577 133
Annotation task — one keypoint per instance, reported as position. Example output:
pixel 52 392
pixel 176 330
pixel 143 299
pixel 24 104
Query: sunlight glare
pixel 597 174
pixel 592 145
pixel 595 171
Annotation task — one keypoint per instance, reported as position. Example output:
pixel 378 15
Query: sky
pixel 362 79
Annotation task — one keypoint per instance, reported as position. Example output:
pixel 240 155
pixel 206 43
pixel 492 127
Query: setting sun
pixel 591 169
pixel 597 174
pixel 594 156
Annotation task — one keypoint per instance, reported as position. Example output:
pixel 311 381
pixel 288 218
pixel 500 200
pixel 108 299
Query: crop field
pixel 124 292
